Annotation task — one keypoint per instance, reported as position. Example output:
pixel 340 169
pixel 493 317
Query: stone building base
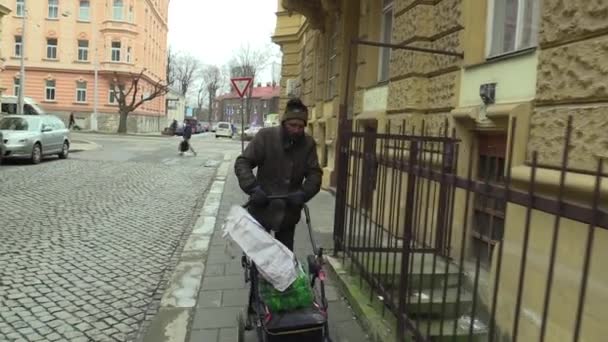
pixel 108 122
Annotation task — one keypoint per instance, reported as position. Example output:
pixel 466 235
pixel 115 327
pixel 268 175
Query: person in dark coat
pixel 72 121
pixel 186 142
pixel 287 164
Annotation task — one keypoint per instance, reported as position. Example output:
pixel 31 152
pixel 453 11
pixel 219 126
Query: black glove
pixel 296 198
pixel 258 197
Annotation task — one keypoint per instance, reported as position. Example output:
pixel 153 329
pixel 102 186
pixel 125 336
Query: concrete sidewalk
pixel 223 292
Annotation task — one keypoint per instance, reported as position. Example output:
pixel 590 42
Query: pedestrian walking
pixel 173 126
pixel 287 165
pixel 185 145
pixel 72 122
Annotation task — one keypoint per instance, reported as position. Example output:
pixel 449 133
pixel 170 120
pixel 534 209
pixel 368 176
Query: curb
pixel 127 134
pixel 178 302
pixel 83 145
pixel 369 312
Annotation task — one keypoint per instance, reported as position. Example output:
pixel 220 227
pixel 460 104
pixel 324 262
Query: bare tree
pixel 171 65
pixel 248 61
pixel 186 68
pixel 130 94
pixel 212 79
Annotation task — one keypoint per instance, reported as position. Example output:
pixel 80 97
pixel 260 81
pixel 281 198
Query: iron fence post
pixel 407 238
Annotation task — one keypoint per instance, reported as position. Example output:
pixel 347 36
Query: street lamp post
pixel 22 67
pixel 93 119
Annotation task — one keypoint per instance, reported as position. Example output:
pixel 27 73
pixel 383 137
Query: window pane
pixel 385 53
pixel 84 10
pixel 51 49
pixel 529 26
pixel 504 26
pixel 50 90
pixel 53 9
pixel 118 10
pixel 20 8
pixel 18 46
pixel 16 84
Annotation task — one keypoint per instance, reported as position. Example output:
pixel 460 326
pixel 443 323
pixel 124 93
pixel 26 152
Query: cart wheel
pixel 240 320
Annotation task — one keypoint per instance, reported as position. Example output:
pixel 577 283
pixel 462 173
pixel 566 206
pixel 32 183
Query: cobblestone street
pixel 86 243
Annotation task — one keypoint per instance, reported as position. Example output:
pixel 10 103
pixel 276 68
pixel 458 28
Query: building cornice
pixel 314 10
pixel 146 77
pixel 292 37
pixel 4 10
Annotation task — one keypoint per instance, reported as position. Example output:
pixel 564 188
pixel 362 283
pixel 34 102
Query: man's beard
pixel 292 137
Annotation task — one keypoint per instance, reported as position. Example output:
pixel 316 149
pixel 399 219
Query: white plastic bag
pixel 275 262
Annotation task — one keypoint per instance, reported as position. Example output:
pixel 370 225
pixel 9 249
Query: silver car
pixel 34 136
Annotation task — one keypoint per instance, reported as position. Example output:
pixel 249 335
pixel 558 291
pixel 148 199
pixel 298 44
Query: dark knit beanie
pixel 295 109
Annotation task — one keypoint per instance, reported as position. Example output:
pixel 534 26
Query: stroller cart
pixel 288 321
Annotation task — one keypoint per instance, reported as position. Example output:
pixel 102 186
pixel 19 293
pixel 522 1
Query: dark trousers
pixel 286 236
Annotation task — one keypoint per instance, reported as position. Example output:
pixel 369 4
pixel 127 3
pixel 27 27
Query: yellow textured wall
pixel 572 80
pixel 566 283
pixel 422 83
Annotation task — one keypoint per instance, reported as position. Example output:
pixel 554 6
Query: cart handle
pixel 316 250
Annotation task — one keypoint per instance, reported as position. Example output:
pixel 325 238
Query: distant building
pixel 176 106
pixel 264 101
pixel 3 11
pixel 62 40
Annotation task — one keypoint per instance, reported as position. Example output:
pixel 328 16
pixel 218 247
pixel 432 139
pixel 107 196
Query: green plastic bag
pixel 297 296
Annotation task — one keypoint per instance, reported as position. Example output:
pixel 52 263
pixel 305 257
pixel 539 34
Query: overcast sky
pixel 211 30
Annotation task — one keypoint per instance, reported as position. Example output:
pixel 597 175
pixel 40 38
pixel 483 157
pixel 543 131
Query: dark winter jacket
pixel 187 131
pixel 282 167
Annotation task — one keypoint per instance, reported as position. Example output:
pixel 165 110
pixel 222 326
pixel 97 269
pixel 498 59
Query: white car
pixel 10 103
pixel 224 129
pixel 251 132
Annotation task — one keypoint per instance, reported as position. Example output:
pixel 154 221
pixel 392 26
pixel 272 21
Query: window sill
pixel 50 59
pixel 83 21
pixel 119 63
pixel 80 103
pixel 52 19
pixel 503 57
pixel 120 21
pixel 82 62
pixel 18 58
pixel 112 104
pixel 49 101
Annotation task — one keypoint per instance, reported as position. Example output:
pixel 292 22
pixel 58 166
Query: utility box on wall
pixel 487 92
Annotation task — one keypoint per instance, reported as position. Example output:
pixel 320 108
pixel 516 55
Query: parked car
pixel 202 127
pixel 213 127
pixel 251 132
pixel 205 126
pixel 34 136
pixel 224 129
pixel 10 103
pixel 2 148
pixel 180 129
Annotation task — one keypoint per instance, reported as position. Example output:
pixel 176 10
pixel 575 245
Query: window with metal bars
pixel 488 212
